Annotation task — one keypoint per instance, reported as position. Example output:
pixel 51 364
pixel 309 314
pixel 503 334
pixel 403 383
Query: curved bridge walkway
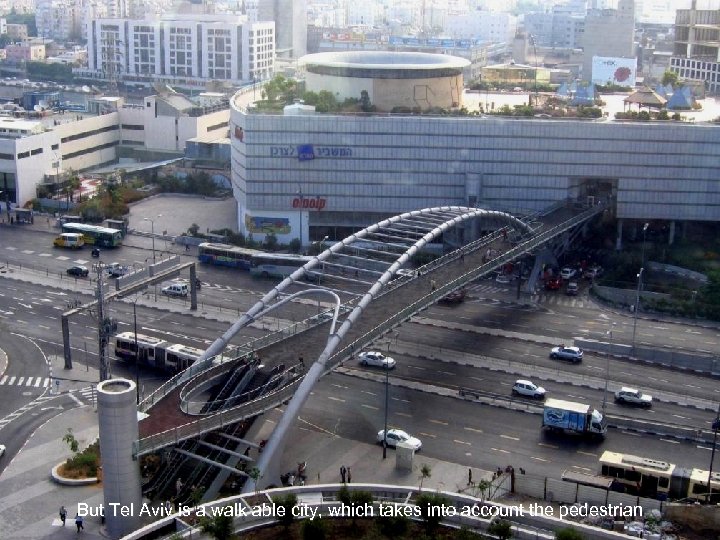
pixel 346 269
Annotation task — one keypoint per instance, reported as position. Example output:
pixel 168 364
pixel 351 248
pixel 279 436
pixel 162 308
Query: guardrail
pixel 459 511
pixel 216 421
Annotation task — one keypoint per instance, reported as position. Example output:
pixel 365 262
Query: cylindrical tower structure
pixel 117 413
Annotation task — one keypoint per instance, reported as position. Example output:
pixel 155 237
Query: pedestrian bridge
pixel 360 276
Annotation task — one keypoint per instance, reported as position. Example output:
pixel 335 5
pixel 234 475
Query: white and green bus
pixel 276 265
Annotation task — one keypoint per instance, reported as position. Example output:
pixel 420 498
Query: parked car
pixel 572 288
pixel 527 388
pixel 116 270
pixel 395 436
pixel 593 272
pixel 78 271
pixel 502 278
pixel 632 396
pixel 376 359
pixel 568 272
pixel 553 283
pixel 572 354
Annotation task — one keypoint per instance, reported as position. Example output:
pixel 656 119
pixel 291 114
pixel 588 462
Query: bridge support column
pixel 117 415
pixel 671 234
pixel 618 240
pixel 193 288
pixel 67 352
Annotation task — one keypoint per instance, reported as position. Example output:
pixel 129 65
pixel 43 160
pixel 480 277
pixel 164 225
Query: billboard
pixel 614 70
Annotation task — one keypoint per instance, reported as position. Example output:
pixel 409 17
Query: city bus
pixel 94 235
pixel 69 240
pixel 657 479
pixel 226 255
pixel 279 265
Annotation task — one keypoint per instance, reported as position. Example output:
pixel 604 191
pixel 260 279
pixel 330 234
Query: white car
pixel 573 354
pixel 527 388
pixel 568 273
pixel 502 278
pixel 395 436
pixel 376 359
pixel 632 396
pixel 2 450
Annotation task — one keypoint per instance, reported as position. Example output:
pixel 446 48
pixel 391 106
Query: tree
pixel 287 503
pixel 314 529
pixel 365 104
pixel 483 486
pixel 500 528
pixel 71 441
pixel 669 77
pixel 425 472
pixel 429 505
pixel 295 246
pixel 271 242
pixel 220 526
pixel 255 475
pixel 568 533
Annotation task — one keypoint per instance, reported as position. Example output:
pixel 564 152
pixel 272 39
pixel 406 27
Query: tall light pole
pixel 387 401
pixel 642 258
pixel 534 44
pixel 715 426
pixel 609 334
pixel 300 196
pixel 637 306
pixel 152 232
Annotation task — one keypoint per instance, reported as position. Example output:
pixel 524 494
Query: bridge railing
pixel 216 421
pixel 441 291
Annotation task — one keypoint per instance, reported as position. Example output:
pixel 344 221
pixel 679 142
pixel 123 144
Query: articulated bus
pixel 69 240
pixel 657 479
pixel 226 255
pixel 279 265
pixel 94 235
pixel 155 353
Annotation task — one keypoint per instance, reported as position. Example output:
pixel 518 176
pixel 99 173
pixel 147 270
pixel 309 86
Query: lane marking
pixel 510 437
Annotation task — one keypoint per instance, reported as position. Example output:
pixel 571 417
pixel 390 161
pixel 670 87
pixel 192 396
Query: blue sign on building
pixel 305 152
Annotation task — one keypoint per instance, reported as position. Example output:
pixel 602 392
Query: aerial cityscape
pixel 318 269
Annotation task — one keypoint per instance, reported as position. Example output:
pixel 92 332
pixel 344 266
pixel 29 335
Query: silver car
pixel 571 354
pixel 376 359
pixel 527 388
pixel 632 396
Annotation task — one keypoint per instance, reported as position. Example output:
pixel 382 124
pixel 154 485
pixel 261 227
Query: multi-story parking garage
pixel 327 174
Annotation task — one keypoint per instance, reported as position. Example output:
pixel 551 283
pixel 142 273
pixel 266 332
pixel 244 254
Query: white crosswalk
pixel 554 299
pixel 33 382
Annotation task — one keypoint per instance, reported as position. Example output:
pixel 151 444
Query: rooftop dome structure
pixel 393 80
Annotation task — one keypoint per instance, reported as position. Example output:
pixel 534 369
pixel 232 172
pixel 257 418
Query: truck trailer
pixel 576 418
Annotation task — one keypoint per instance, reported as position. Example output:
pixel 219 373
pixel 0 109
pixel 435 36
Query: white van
pixel 176 289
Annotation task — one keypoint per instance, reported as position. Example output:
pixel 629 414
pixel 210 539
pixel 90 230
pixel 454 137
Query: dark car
pixel 454 297
pixel 78 271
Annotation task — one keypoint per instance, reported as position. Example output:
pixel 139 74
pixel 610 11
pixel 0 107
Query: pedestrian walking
pixel 63 514
pixel 79 522
pixel 349 475
pixel 343 472
pixel 462 257
pixel 246 453
pixel 469 475
pixel 187 247
pixel 178 486
pixel 433 285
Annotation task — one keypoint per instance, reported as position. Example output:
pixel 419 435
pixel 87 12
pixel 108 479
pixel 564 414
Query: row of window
pixel 28 153
pixel 90 133
pixel 90 150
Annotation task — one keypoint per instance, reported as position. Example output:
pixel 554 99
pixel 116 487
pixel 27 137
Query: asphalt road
pixel 351 407
pixel 471 434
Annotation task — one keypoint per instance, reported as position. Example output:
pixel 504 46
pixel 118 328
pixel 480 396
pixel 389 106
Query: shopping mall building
pixel 330 174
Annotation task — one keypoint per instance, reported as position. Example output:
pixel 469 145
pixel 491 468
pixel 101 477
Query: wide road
pixel 471 434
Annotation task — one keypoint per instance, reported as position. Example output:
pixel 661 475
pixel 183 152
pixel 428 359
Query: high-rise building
pixel 290 18
pixel 58 19
pixel 181 49
pixel 608 33
pixel 696 55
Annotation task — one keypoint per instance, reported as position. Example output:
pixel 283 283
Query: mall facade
pixel 328 175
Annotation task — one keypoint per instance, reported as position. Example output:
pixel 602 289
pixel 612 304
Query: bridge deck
pixel 166 414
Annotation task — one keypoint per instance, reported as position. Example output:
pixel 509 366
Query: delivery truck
pixel 576 418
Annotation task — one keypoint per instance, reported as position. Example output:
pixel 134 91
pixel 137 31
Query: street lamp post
pixel 609 333
pixel 534 44
pixel 642 258
pixel 137 355
pixel 152 232
pixel 637 305
pixel 387 401
pixel 300 196
pixel 715 426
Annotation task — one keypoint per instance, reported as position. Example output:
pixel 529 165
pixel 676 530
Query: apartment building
pixel 181 49
pixel 608 33
pixel 58 19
